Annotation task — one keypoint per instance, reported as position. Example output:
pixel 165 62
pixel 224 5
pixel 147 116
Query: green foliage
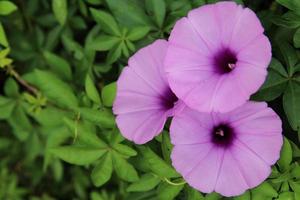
pixel 59 62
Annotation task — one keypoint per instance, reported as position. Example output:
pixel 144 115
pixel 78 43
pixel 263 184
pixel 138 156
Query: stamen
pixel 231 66
pixel 220 132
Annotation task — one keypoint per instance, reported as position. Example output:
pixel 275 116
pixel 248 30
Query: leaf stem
pixel 173 183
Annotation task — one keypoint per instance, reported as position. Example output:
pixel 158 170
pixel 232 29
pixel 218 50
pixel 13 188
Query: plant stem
pixel 24 83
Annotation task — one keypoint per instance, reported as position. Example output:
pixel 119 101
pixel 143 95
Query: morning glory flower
pixel 217 57
pixel 226 152
pixel 144 99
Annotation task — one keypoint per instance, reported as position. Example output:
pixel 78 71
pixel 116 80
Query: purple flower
pixel 226 152
pixel 217 57
pixel 144 99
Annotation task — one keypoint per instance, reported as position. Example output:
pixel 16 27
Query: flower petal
pixel 184 36
pixel 258 53
pixel 205 23
pixel 143 95
pixel 246 29
pixel 198 164
pixel 191 127
pixel 253 167
pixel 141 127
pixel 231 181
pixel 227 14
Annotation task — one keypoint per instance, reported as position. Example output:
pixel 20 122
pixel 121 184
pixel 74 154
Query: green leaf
pixel 103 170
pixel 286 156
pixel 104 42
pixel 50 116
pixel 11 88
pixel 286 196
pixel 290 4
pixel 193 194
pixel 213 196
pixel 73 46
pixel 96 196
pixel 6 106
pixel 78 155
pixel 3 39
pixel 291 104
pixel 60 10
pixel 275 83
pixel 263 191
pixel 106 20
pixel 128 13
pixel 108 94
pixel 296 38
pixel 20 123
pixel 99 117
pixel 166 146
pixel 157 8
pixel 84 134
pixel 91 90
pixel 125 150
pixel 58 65
pixel 290 56
pixel 53 88
pixel 7 7
pixel 123 169
pixel 114 54
pixel 156 164
pixel 166 191
pixel 138 33
pixel 145 183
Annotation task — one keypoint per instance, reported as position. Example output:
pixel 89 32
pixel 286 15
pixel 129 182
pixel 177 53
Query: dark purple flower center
pixel 225 61
pixel 222 135
pixel 169 99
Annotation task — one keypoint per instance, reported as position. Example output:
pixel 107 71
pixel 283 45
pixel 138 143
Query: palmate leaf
pixel 3 39
pixel 296 38
pixel 290 4
pixel 60 10
pixel 166 191
pixel 123 168
pixel 58 65
pixel 108 94
pixel 145 183
pixel 53 88
pixel 103 118
pixel 6 106
pixel 193 194
pixel 107 22
pixel 129 13
pixel 7 7
pixel 290 56
pixel 104 42
pixel 125 150
pixel 78 155
pixel 85 134
pixel 263 191
pixel 285 156
pixel 91 90
pixel 138 33
pixel 20 123
pixel 158 9
pixel 156 164
pixel 291 104
pixel 103 170
pixel 275 83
